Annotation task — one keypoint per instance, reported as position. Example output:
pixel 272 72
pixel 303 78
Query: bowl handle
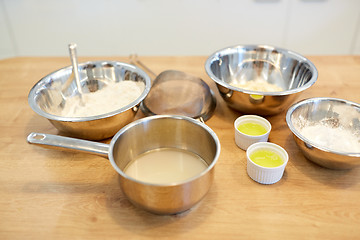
pixel 71 144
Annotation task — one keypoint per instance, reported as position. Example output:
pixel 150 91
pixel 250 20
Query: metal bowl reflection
pixel 290 71
pixel 333 114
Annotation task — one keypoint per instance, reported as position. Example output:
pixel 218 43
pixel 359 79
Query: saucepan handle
pixel 67 143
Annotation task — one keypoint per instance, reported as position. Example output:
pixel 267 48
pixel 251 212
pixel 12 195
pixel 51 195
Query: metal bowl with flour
pixel 260 79
pixel 54 93
pixel 327 130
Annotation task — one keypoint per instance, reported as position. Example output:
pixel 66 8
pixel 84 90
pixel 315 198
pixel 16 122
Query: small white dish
pixel 266 175
pixel 243 140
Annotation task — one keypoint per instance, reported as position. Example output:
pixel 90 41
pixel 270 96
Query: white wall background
pixel 176 27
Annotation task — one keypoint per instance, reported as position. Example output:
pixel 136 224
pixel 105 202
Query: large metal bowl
pixel 94 76
pixel 283 68
pixel 331 113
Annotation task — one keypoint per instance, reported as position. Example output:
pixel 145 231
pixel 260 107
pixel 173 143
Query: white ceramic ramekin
pixel 243 140
pixel 266 175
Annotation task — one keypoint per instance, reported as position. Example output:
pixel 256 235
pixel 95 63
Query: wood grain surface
pixel 52 194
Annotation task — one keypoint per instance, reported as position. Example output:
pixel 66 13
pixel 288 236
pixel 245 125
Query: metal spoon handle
pixel 74 61
pixel 135 61
pixel 71 144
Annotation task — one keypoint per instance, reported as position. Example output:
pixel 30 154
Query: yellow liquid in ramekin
pixel 252 129
pixel 266 158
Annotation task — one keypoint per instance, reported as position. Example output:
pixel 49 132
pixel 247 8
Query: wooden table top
pixel 52 194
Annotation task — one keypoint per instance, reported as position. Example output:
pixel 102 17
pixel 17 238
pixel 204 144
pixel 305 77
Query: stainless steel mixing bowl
pixel 147 134
pixel 50 93
pixel 332 113
pixel 240 64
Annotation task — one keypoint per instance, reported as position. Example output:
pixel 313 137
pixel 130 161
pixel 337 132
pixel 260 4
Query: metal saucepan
pixel 143 135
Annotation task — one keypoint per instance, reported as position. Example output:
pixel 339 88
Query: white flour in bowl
pixel 337 139
pixel 258 85
pixel 108 99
